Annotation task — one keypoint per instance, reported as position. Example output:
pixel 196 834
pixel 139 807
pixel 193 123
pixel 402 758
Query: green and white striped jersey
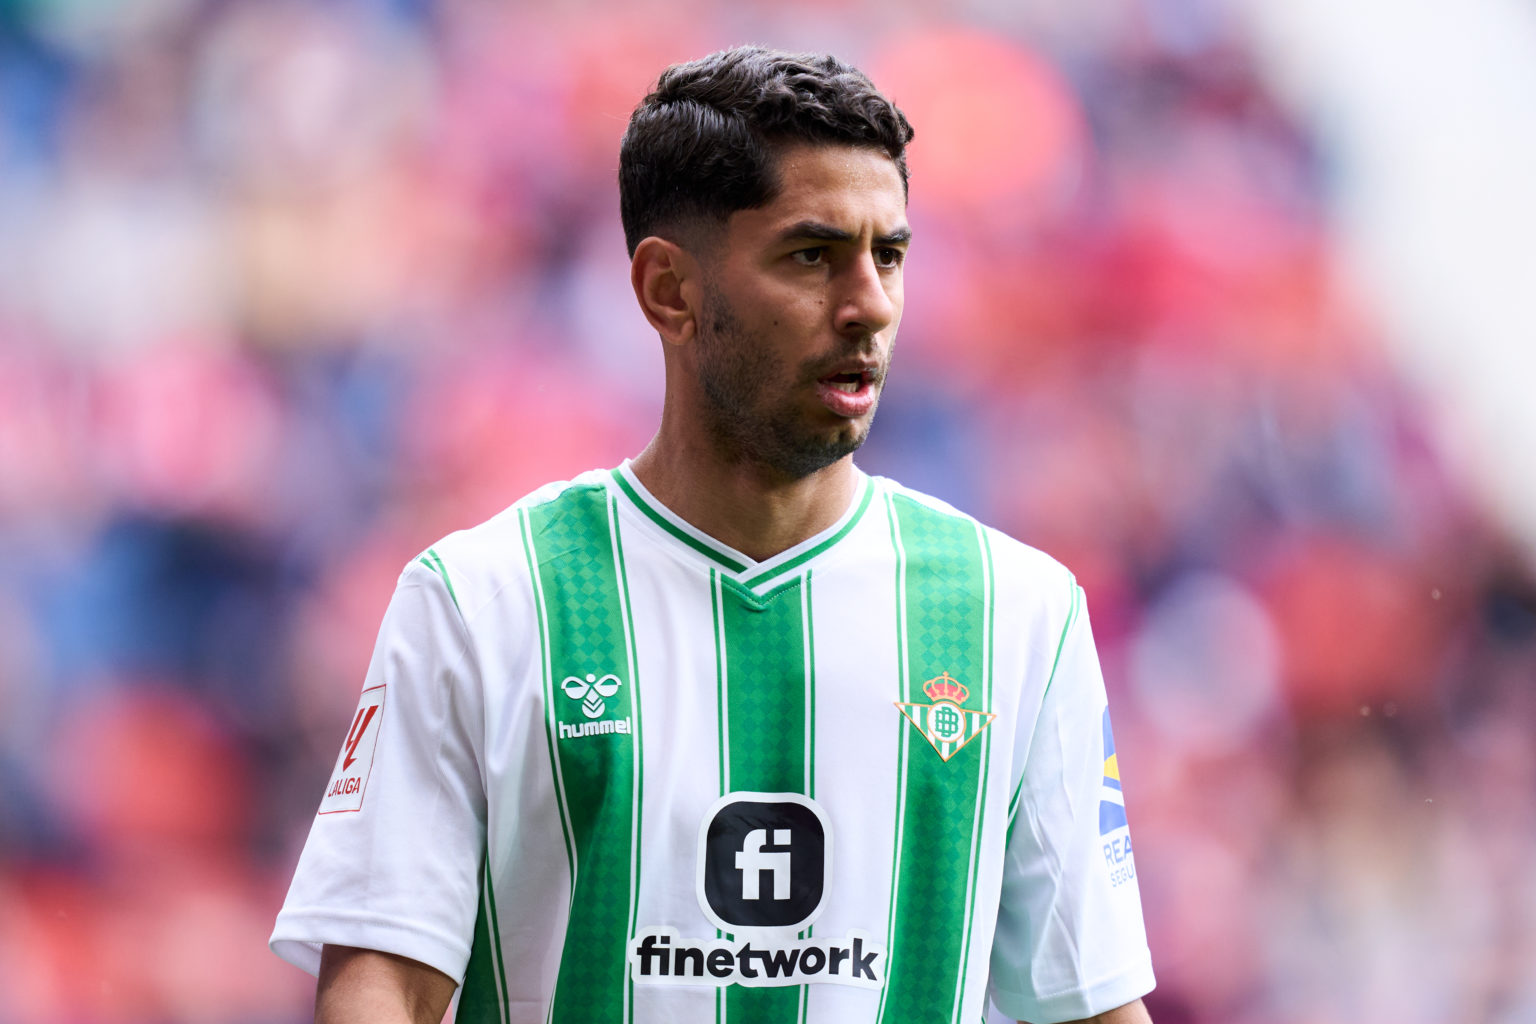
pixel 605 768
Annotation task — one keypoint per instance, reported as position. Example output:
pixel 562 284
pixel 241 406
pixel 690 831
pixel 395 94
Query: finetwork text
pixel 660 956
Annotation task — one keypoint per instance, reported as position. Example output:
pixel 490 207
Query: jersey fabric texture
pixel 605 768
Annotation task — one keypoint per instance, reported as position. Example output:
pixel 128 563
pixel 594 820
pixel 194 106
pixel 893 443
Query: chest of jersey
pixel 715 789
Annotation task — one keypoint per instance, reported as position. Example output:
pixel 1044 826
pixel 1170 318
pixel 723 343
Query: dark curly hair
pixel 704 143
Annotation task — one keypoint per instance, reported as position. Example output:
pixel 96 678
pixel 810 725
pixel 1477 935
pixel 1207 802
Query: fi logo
pixel 355 762
pixel 764 859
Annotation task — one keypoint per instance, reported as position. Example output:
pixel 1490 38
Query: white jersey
pixel 605 768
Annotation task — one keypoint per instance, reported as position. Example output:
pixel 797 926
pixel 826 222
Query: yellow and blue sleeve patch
pixel 1111 798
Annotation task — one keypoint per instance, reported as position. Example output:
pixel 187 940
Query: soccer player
pixel 734 732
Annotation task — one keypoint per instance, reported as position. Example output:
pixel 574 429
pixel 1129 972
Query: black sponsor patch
pixel 763 861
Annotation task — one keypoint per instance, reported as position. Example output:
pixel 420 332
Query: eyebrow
pixel 827 233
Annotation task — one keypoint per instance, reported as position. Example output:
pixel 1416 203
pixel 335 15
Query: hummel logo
pixel 591 692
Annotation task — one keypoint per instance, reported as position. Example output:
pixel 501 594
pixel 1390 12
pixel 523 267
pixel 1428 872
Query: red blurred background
pixel 290 290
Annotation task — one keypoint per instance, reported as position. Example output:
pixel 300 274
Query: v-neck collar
pixel 756 577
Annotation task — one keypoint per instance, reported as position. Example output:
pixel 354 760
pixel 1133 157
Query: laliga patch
pixel 355 762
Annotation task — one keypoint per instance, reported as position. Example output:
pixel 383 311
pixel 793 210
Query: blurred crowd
pixel 289 290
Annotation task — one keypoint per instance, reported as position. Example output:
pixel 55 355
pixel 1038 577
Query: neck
pixel 749 507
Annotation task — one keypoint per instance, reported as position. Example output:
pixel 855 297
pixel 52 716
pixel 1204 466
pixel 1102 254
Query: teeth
pixel 849 386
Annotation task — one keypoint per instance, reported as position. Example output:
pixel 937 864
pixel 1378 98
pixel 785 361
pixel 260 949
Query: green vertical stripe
pixel 945 627
pixel 722 708
pixel 484 998
pixel 810 691
pixel 989 584
pixel 722 724
pixel 542 619
pixel 577 578
pixel 497 953
pixel 903 728
pixel 765 708
pixel 810 743
pixel 632 661
pixel 765 652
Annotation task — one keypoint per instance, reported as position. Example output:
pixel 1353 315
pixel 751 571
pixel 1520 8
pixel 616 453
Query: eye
pixel 889 257
pixel 813 257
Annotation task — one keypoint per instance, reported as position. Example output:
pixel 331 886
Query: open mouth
pixel 848 382
pixel 849 394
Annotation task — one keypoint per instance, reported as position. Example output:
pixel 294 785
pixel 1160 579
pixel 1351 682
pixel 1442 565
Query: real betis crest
pixel 946 724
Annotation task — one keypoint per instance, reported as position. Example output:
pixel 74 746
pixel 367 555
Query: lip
pixel 863 365
pixel 850 404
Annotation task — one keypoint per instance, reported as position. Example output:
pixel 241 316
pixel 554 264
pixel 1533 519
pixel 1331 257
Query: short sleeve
pixel 1070 941
pixel 393 858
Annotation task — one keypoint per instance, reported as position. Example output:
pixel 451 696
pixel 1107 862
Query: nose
pixel 868 301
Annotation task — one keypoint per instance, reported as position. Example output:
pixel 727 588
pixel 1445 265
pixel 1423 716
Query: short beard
pixel 734 365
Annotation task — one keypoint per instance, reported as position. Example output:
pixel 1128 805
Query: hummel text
pixel 584 729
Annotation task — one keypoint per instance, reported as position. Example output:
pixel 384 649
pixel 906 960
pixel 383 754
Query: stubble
pixel 749 399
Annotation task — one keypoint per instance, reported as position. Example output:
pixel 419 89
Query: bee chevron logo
pixel 592 692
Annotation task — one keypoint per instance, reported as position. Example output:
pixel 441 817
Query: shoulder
pixel 1013 562
pixel 481 564
pixel 1031 591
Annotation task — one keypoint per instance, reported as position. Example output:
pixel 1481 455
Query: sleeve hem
pixel 298 937
pixel 1078 1003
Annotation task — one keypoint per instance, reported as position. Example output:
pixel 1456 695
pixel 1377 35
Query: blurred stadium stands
pixel 288 290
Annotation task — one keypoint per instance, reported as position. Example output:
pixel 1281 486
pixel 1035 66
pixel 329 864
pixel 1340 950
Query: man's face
pixel 801 304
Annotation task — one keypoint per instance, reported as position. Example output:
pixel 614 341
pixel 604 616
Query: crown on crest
pixel 945 687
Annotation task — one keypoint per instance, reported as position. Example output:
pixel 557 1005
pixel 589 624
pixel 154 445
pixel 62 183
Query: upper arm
pixel 364 986
pixel 394 855
pixel 1070 940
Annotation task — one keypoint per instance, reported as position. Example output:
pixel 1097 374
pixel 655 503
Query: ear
pixel 667 285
